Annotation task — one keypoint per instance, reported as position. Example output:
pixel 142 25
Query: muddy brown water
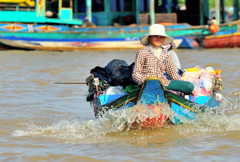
pixel 43 121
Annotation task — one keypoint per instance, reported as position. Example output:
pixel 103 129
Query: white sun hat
pixel 156 29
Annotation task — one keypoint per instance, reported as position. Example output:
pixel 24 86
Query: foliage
pixel 228 3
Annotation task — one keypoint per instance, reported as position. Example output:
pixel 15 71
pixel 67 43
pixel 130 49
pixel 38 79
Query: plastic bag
pixel 113 90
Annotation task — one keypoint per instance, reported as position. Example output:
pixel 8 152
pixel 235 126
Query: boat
pixel 228 38
pixel 74 44
pixel 74 23
pixel 69 29
pixel 152 98
pixel 63 37
pixel 188 43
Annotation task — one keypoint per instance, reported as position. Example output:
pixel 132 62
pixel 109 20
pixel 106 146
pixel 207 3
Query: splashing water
pixel 225 118
pixel 89 131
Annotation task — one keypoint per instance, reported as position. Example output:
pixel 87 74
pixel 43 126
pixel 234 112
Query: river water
pixel 43 121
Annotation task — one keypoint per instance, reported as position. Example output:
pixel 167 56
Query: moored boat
pixel 63 37
pixel 44 21
pixel 227 37
pixel 74 44
pixel 225 40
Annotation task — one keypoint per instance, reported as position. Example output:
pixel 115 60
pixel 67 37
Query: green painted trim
pixel 17 16
pixel 131 97
pixel 30 17
pixel 66 14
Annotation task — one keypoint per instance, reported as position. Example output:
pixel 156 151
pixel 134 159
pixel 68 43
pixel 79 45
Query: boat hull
pixel 223 41
pixel 153 98
pixel 57 37
pixel 130 34
pixel 227 37
pixel 187 43
pixel 73 44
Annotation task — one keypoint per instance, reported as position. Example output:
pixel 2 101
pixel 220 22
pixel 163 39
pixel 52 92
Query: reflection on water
pixel 41 120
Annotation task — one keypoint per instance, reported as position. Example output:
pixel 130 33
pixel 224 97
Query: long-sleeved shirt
pixel 148 65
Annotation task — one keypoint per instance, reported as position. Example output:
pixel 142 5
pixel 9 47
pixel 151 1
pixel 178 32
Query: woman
pixel 153 61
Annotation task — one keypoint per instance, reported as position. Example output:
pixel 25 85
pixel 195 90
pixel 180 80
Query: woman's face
pixel 156 40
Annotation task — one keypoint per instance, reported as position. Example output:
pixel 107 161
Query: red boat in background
pixel 222 41
pixel 226 38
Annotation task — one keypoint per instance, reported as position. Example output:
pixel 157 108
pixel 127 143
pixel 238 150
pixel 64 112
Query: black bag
pixel 118 72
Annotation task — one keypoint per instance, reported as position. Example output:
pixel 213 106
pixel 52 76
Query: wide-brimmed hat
pixel 156 29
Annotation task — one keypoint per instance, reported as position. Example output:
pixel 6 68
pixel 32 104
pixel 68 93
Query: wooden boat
pixel 63 37
pixel 66 30
pixel 222 41
pixel 227 39
pixel 224 38
pixel 152 96
pixel 188 43
pixel 59 37
pixel 74 44
pixel 33 22
pixel 69 44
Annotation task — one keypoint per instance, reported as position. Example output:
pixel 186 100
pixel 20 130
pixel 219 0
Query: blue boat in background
pixel 188 43
pixel 69 44
pixel 84 25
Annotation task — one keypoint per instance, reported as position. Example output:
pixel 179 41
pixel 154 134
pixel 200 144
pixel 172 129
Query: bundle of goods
pixel 207 82
pixel 110 82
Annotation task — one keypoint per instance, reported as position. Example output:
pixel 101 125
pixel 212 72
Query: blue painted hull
pixel 153 93
pixel 69 44
pixel 188 43
pixel 72 43
pixel 105 36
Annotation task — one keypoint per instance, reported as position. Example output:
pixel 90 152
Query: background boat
pixel 100 37
pixel 188 43
pixel 52 37
pixel 112 21
pixel 74 44
pixel 229 37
